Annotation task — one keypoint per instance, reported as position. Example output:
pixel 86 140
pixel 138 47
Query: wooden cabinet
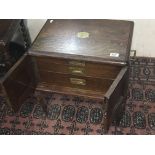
pixel 80 57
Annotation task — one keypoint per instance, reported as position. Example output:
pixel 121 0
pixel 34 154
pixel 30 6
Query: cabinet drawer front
pixel 94 84
pixel 77 67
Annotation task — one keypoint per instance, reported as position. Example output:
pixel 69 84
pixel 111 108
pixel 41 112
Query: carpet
pixel 73 115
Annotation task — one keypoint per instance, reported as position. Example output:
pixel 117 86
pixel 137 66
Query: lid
pixel 7 29
pixel 94 40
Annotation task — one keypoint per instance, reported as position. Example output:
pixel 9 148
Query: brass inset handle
pixel 78 81
pixel 83 35
pixel 77 63
pixel 76 70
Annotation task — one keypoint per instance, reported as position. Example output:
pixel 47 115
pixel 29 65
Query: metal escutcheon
pixel 77 70
pixel 78 81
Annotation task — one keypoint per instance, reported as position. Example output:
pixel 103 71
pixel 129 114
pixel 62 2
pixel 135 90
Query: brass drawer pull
pixel 83 35
pixel 77 63
pixel 76 70
pixel 78 81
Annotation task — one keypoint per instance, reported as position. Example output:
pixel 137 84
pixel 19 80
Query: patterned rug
pixel 73 115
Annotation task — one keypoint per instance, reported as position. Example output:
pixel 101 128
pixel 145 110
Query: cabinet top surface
pixel 98 40
pixel 7 28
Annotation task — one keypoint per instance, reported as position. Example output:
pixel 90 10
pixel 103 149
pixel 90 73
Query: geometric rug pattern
pixel 73 115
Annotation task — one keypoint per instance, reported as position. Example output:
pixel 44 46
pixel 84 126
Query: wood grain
pixel 46 87
pixel 19 82
pixel 98 48
pixel 88 70
pixel 59 39
pixel 95 84
pixel 117 91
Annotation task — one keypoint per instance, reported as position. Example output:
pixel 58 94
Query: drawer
pixel 87 69
pixel 66 80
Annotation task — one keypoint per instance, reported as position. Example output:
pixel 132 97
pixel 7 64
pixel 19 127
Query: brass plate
pixel 83 35
pixel 77 70
pixel 78 81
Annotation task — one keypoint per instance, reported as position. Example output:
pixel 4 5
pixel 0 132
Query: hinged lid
pixel 7 29
pixel 93 40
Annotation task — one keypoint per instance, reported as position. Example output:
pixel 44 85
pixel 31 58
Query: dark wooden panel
pixel 116 93
pixel 78 68
pixel 47 87
pixel 106 40
pixel 64 80
pixel 19 82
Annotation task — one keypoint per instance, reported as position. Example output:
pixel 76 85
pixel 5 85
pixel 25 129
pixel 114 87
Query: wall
pixel 143 38
pixel 35 26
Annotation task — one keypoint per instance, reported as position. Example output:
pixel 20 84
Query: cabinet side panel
pixel 20 83
pixel 114 106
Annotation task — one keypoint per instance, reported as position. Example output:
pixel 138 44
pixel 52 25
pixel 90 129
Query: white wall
pixel 35 26
pixel 143 38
